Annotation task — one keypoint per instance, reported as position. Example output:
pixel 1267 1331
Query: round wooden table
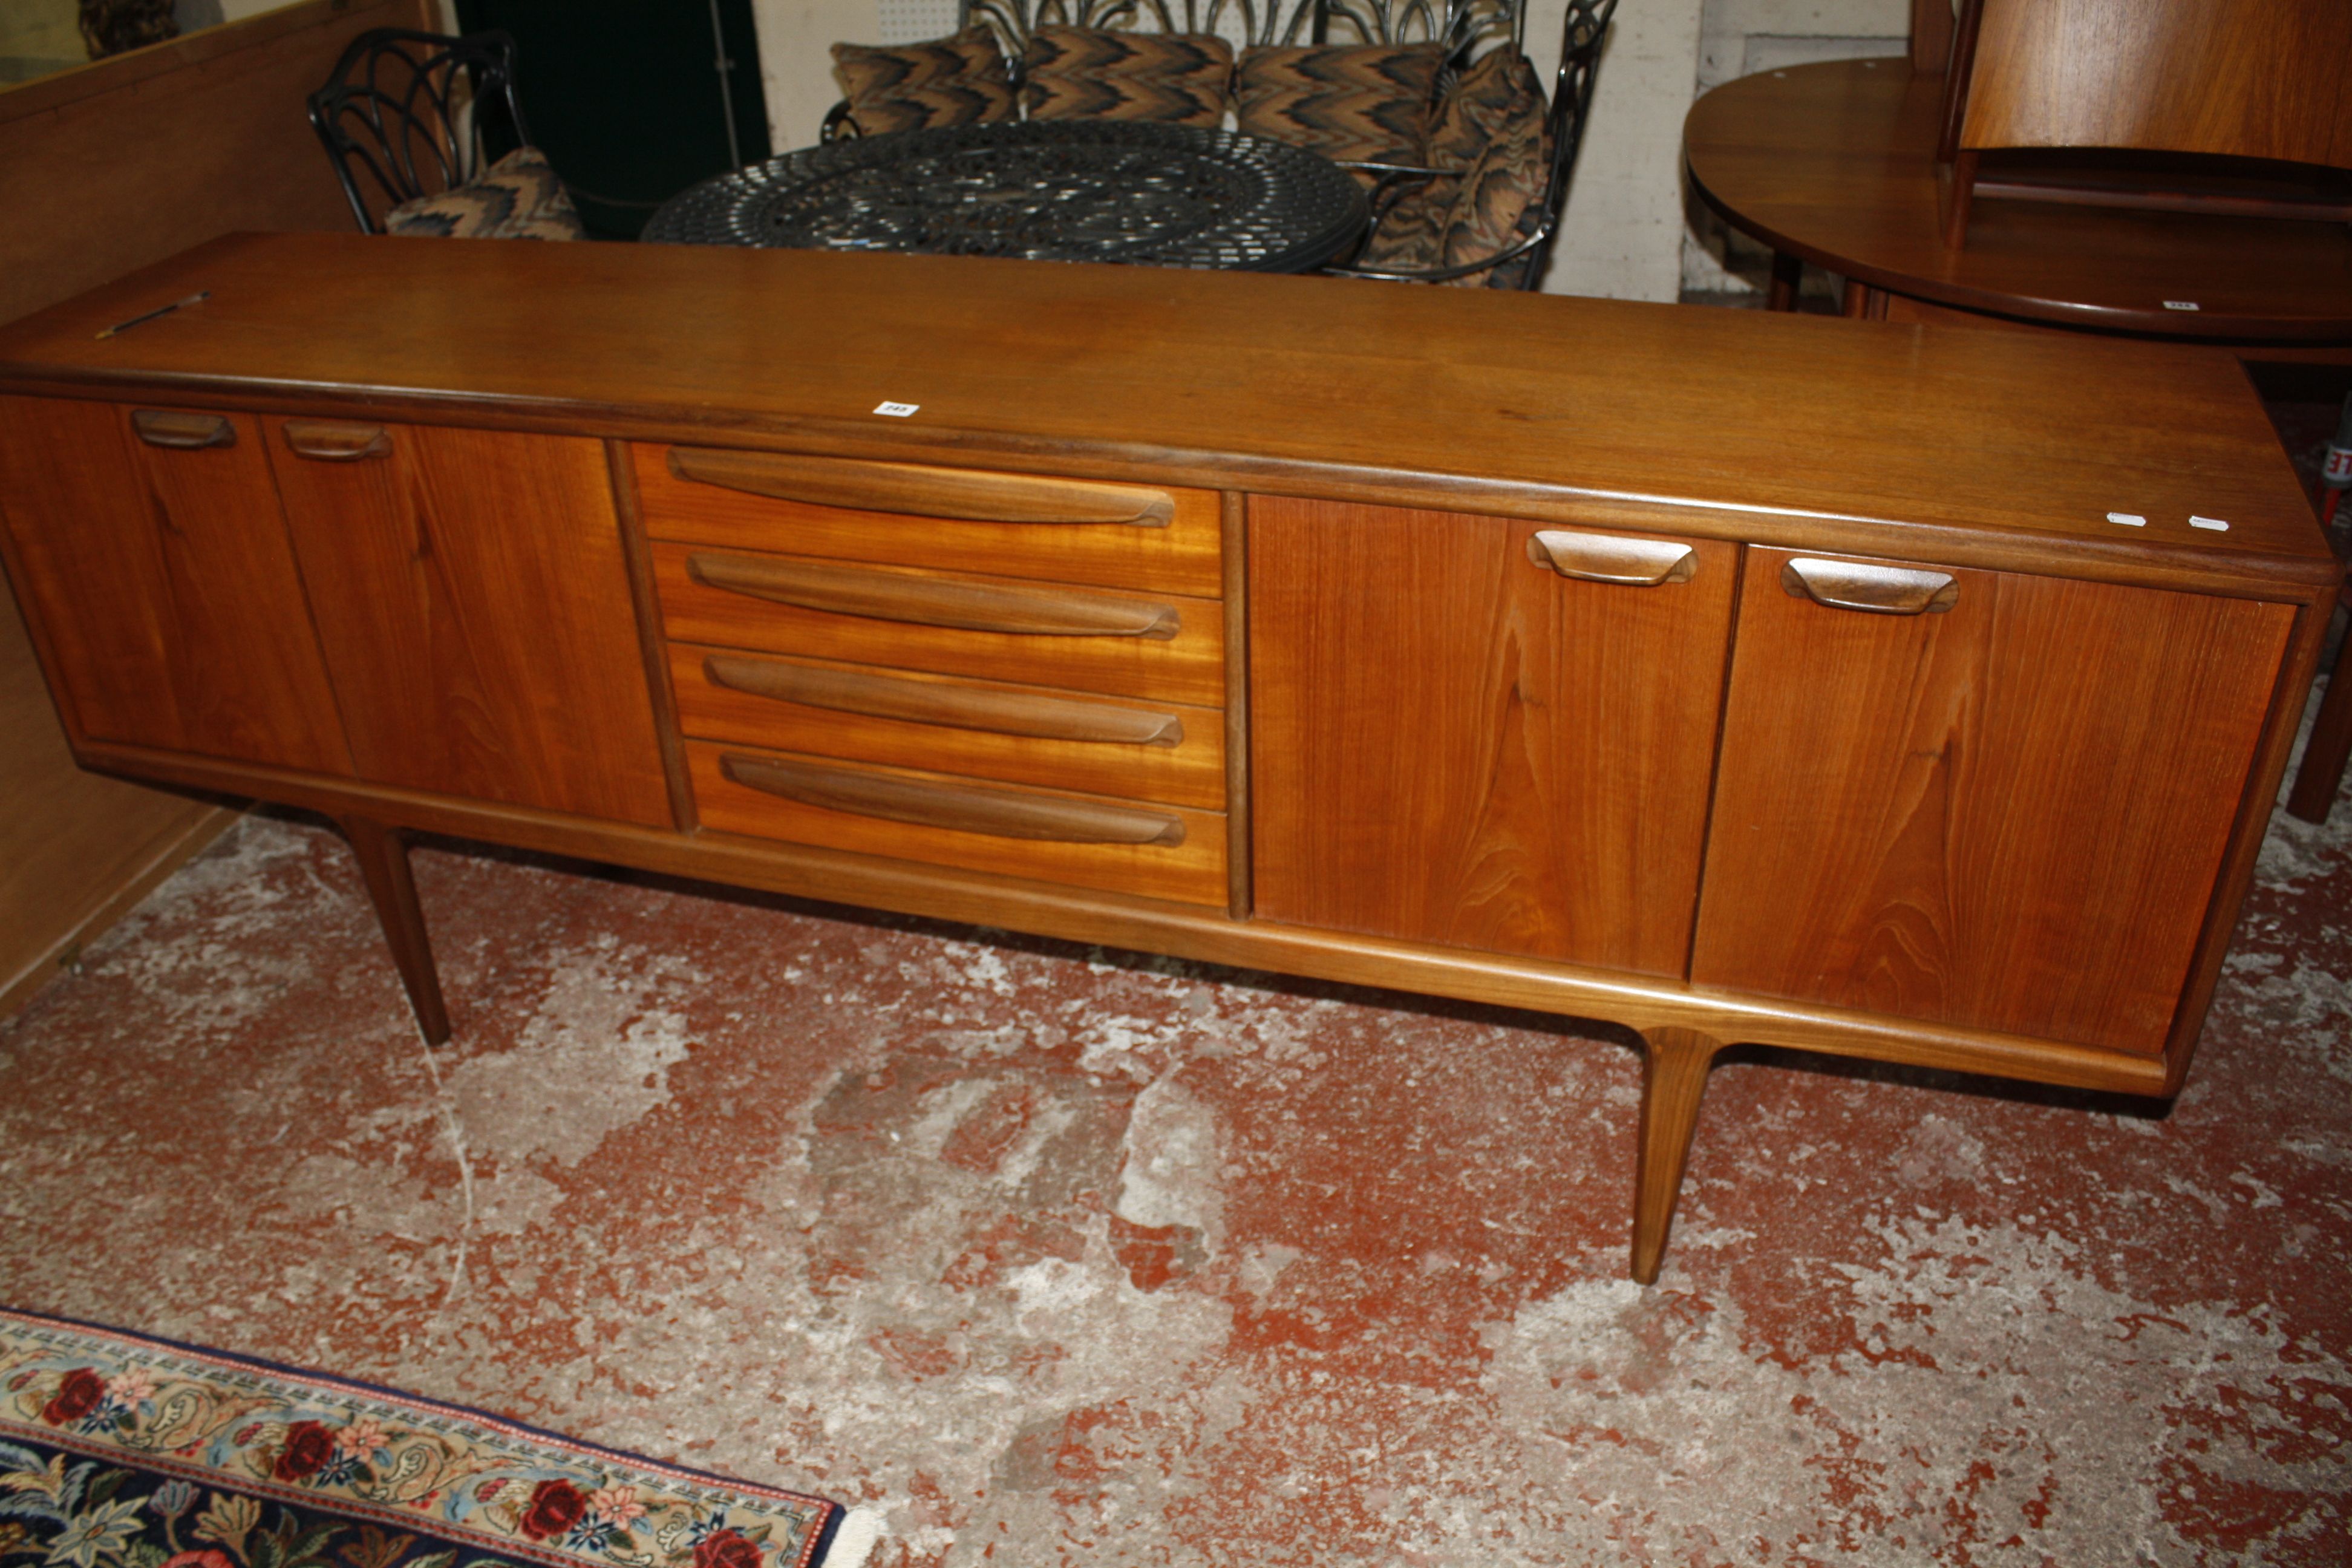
pixel 1834 165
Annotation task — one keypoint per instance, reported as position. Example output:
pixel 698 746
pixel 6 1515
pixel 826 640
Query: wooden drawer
pixel 1021 734
pixel 1051 836
pixel 909 514
pixel 1162 646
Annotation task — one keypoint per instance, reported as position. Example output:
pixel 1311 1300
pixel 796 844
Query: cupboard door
pixel 474 601
pixel 1454 743
pixel 2008 813
pixel 151 552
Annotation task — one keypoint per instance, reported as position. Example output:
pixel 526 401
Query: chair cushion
pixel 1498 92
pixel 1499 200
pixel 1088 73
pixel 1366 101
pixel 518 197
pixel 1490 127
pixel 960 81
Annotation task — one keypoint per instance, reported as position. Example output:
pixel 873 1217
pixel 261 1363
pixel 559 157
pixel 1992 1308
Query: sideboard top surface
pixel 1714 422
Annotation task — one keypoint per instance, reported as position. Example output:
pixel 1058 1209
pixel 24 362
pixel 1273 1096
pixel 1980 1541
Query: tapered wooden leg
pixel 384 862
pixel 1788 272
pixel 2324 755
pixel 1673 1076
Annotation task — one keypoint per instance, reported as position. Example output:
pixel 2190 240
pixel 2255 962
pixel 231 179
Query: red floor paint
pixel 1047 1255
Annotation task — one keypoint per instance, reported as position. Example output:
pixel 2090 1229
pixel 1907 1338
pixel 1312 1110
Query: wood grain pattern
pixel 1835 163
pixel 2010 816
pixel 1018 610
pixel 1239 875
pixel 472 596
pixel 166 585
pixel 1189 772
pixel 1455 745
pixel 2253 78
pixel 1187 667
pixel 652 639
pixel 392 888
pixel 125 161
pixel 1180 556
pixel 922 491
pixel 1675 1064
pixel 1144 924
pixel 982 809
pixel 1190 871
pixel 1586 412
pixel 77 851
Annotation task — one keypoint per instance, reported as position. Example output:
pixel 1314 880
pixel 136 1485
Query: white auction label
pixel 897 410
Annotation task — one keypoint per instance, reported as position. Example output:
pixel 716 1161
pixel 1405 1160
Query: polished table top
pixel 1835 163
pixel 1061 190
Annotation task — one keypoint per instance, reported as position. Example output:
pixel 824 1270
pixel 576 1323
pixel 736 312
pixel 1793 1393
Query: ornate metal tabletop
pixel 1057 190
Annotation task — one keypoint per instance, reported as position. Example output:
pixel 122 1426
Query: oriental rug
pixel 120 1451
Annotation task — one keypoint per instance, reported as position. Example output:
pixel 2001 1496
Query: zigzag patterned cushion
pixel 1496 103
pixel 1363 101
pixel 960 81
pixel 1491 126
pixel 1086 73
pixel 1496 200
pixel 518 197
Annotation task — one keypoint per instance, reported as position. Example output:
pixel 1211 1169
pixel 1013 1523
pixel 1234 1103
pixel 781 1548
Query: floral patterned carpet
pixel 1039 1255
pixel 109 1441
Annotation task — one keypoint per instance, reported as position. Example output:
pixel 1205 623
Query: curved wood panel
pixel 963 494
pixel 1188 772
pixel 2249 79
pixel 934 601
pixel 966 808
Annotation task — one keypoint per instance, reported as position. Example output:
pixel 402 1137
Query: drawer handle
pixel 1598 558
pixel 183 432
pixel 923 491
pixel 935 602
pixel 1877 590
pixel 1000 813
pixel 933 702
pixel 331 441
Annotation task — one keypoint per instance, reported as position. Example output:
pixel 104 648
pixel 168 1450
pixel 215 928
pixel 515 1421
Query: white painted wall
pixel 1622 235
pixel 796 37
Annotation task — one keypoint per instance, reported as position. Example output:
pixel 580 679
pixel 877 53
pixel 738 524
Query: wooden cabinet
pixel 1688 674
pixel 469 589
pixel 1008 673
pixel 2009 811
pixel 153 558
pixel 1483 733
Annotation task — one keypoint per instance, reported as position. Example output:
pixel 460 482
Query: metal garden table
pixel 1057 190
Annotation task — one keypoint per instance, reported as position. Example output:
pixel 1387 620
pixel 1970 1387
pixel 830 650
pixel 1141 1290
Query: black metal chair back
pixel 409 110
pixel 1586 25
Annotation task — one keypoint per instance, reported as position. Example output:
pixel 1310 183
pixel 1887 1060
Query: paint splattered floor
pixel 1042 1255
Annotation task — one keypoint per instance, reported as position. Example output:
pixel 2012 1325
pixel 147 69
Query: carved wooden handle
pixel 923 491
pixel 1877 590
pixel 185 431
pixel 935 601
pixel 998 813
pixel 332 441
pixel 933 702
pixel 1600 558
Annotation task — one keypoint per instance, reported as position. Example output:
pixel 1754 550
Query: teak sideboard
pixel 1894 692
